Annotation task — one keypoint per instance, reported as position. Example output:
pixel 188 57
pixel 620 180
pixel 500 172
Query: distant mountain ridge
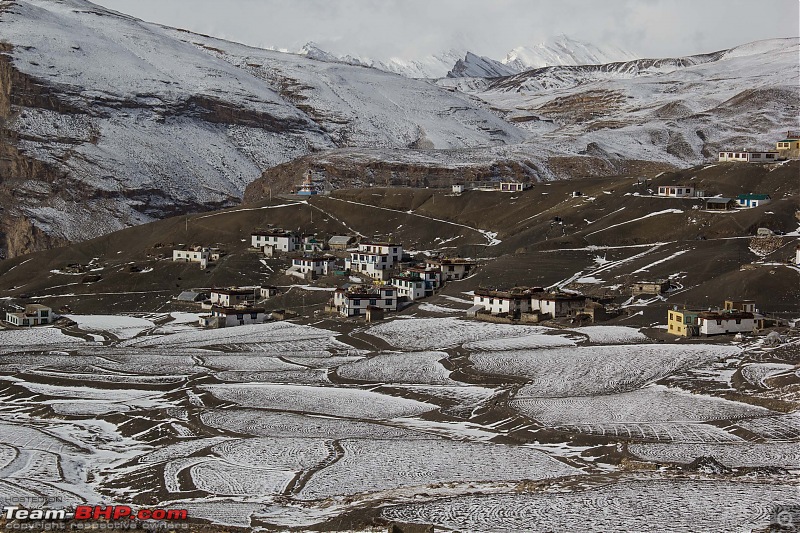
pixel 460 62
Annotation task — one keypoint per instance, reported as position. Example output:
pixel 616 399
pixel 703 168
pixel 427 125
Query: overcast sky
pixel 410 29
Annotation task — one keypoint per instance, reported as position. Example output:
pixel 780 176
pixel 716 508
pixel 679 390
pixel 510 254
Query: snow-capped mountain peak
pixel 474 66
pixel 563 50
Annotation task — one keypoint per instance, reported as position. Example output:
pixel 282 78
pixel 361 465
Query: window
pixel 45 314
pixel 671 316
pixel 356 311
pixel 756 156
pixel 373 302
pixel 356 302
pixel 388 302
pixel 738 320
pixel 770 156
pixel 254 316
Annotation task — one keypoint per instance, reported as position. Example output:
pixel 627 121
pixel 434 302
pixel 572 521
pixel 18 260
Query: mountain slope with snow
pixel 679 111
pixel 111 121
pixel 562 51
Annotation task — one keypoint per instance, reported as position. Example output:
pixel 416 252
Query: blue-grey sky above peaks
pixel 411 29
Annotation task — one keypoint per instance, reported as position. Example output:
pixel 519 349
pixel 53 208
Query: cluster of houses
pixel 787 148
pixel 715 203
pixel 737 316
pixel 393 280
pixel 534 305
pixel 386 278
pixel 491 186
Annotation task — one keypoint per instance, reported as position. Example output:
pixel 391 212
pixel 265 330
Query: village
pixel 375 278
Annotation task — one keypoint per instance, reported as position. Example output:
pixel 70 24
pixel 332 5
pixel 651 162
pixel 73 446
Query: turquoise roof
pixel 752 196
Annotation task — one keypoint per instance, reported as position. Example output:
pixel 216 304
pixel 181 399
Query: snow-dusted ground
pixel 292 425
pixel 611 334
pixel 582 371
pixel 653 404
pixel 122 327
pixel 41 336
pixel 440 333
pixel 275 424
pixel 414 367
pixel 783 454
pixel 639 505
pixel 425 462
pixel 320 400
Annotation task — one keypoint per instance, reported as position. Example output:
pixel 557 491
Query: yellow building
pixel 789 148
pixel 683 323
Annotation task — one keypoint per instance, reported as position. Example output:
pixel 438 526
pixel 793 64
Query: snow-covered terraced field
pixel 440 333
pixel 466 398
pixel 13 340
pixel 641 506
pixel 278 337
pixel 653 404
pixel 684 432
pixel 179 449
pixel 261 423
pixel 782 454
pixel 406 367
pixel 87 408
pixel 297 377
pixel 122 327
pixel 224 479
pixel 30 438
pixel 247 363
pixel 369 466
pixel 611 334
pixel 528 342
pixel 583 371
pixel 781 427
pixel 757 373
pixel 352 403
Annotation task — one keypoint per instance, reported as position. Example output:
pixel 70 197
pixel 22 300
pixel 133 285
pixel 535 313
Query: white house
pixel 752 200
pixel 431 276
pixel 797 255
pixel 374 259
pixel 268 292
pixel 458 189
pixel 281 241
pixel 355 301
pixel 676 191
pixel 557 304
pixel 33 315
pixel 512 186
pixel 721 322
pixel 511 302
pixel 452 269
pixel 318 266
pixel 394 251
pixel 411 287
pixel 748 157
pixel 194 254
pixel 231 297
pixel 222 316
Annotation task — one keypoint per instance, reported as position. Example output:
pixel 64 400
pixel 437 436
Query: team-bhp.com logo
pixel 95 512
